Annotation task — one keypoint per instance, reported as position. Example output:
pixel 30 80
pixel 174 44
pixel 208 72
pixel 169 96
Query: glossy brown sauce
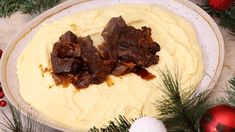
pixel 144 74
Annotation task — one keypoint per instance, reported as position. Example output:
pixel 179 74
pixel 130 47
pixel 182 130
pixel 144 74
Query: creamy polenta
pixel 129 95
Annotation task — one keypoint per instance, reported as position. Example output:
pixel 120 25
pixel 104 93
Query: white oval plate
pixel 208 34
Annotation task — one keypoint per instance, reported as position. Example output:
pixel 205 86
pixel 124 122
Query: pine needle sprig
pixel 8 7
pixel 16 122
pixel 231 92
pixel 181 110
pixel 122 124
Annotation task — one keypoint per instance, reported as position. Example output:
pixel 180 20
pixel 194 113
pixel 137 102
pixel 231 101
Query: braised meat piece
pixel 78 57
pixel 131 47
pixel 125 49
pixel 97 69
pixel 111 35
pixel 65 56
pixel 137 46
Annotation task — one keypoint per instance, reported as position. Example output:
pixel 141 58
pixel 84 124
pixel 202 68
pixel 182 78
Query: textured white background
pixel 9 27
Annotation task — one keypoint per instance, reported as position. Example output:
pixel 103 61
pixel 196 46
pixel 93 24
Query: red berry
pixel 0 53
pixel 221 5
pixel 3 103
pixel 1 94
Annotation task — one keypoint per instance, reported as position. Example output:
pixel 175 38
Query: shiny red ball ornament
pixel 220 118
pixel 3 103
pixel 221 5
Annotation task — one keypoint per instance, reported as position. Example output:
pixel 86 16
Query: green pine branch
pixel 181 110
pixel 16 122
pixel 226 17
pixel 231 92
pixel 8 7
pixel 118 125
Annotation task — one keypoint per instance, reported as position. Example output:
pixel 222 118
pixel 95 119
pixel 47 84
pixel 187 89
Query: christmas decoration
pixel 119 125
pixel 17 122
pixel 181 110
pixel 220 118
pixel 224 10
pixel 220 4
pixel 8 7
pixel 231 92
pixel 3 103
pixel 147 124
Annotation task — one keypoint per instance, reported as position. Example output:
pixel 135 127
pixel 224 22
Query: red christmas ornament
pixel 3 103
pixel 220 118
pixel 220 5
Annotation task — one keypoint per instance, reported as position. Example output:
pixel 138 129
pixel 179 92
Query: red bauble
pixel 3 103
pixel 220 5
pixel 220 118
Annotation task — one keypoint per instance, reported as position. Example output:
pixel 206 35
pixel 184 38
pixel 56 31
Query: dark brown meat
pixel 126 44
pixel 97 68
pixel 111 35
pixel 78 57
pixel 125 49
pixel 66 54
pixel 137 46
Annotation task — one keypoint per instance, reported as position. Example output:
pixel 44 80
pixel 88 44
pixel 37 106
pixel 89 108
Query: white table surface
pixel 9 27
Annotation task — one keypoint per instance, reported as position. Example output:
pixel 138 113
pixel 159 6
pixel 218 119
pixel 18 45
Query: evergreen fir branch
pixel 181 110
pixel 229 98
pixel 122 124
pixel 8 7
pixel 231 92
pixel 16 122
